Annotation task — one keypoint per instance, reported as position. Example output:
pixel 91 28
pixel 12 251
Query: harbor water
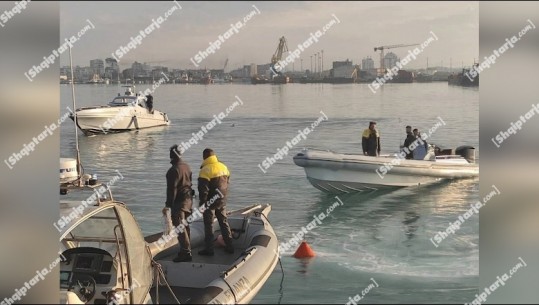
pixel 382 238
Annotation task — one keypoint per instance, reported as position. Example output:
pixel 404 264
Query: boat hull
pixel 343 173
pixel 222 278
pixel 107 119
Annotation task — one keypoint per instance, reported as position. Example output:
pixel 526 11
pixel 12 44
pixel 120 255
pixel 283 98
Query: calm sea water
pixel 380 237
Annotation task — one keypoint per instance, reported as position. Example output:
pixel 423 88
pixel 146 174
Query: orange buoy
pixel 304 251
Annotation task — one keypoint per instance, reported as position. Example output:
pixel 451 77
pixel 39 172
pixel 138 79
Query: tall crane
pixel 278 55
pixel 226 63
pixel 382 48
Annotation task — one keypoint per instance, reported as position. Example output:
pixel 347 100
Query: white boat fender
pixel 135 121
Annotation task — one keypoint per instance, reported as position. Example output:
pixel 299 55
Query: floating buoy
pixel 304 251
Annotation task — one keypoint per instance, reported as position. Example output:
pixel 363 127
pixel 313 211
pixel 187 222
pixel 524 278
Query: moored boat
pixel 465 78
pixel 107 260
pixel 124 113
pixel 223 278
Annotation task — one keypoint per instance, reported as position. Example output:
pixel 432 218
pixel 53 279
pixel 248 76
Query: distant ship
pixel 223 80
pixel 258 80
pixel 206 80
pixel 339 80
pixel 423 78
pixel 463 79
pixel 281 79
pixel 403 76
pixel 96 79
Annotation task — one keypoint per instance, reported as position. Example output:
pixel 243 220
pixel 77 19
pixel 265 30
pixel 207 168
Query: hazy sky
pixel 363 26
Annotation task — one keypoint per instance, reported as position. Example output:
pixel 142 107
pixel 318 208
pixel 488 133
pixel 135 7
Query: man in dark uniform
pixel 410 138
pixel 212 189
pixel 149 103
pixel 179 200
pixel 370 141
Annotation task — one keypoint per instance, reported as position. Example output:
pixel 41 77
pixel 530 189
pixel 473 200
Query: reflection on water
pixel 134 148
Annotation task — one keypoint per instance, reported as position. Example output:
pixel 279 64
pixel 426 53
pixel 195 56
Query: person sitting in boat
pixel 149 103
pixel 370 141
pixel 421 148
pixel 410 138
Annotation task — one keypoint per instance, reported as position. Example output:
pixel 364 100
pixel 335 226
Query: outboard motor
pixel 467 152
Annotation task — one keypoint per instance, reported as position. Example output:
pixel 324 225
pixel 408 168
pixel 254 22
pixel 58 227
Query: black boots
pixel 183 257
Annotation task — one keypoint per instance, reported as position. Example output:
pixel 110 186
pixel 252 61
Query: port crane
pixel 382 48
pixel 226 63
pixel 278 55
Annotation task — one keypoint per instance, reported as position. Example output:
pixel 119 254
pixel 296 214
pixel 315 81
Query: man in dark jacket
pixel 212 190
pixel 179 200
pixel 410 138
pixel 149 103
pixel 370 141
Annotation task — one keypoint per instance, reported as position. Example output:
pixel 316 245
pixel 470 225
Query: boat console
pixel 89 273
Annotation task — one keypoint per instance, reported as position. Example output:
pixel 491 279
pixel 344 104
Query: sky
pixel 187 31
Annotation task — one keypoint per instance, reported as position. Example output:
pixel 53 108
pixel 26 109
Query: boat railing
pixel 449 157
pixel 65 187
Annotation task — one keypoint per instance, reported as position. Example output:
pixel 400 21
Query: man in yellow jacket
pixel 212 189
pixel 370 141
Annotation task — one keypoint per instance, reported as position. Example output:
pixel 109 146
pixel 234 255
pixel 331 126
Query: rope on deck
pixel 160 273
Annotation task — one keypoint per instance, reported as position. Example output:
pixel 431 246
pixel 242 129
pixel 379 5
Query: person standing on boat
pixel 179 200
pixel 422 147
pixel 370 141
pixel 149 103
pixel 212 190
pixel 410 138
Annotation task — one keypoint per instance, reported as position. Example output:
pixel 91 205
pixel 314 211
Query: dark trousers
pixel 184 236
pixel 220 213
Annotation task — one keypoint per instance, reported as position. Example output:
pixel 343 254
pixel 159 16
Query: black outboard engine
pixel 467 152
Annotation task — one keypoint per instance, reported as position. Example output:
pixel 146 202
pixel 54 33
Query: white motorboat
pixel 124 113
pixel 348 173
pixel 223 278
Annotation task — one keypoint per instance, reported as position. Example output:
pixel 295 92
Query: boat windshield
pixel 97 231
pixel 124 101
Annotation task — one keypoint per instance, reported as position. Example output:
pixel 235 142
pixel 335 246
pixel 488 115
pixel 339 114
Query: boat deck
pixel 219 258
pixel 188 280
pixel 183 294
